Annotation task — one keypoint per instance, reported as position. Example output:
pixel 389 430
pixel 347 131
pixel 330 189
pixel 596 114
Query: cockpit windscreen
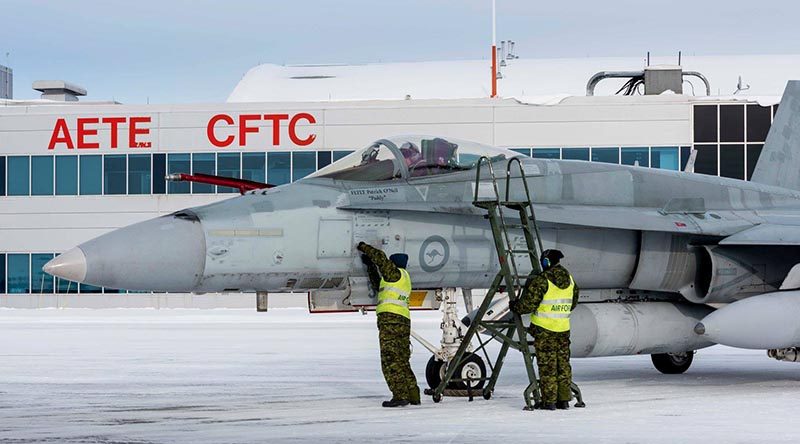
pixel 411 156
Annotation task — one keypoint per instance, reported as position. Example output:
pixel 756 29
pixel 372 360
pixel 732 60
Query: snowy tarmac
pixel 234 376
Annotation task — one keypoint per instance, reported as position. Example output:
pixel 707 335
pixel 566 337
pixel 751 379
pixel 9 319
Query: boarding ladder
pixel 512 334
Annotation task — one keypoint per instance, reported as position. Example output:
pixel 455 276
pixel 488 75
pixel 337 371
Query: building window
pixel 753 152
pixel 228 165
pixel 323 159
pixel 41 281
pixel 705 123
pixel 19 273
pixel 731 123
pixel 115 178
pixel 91 175
pixel 63 286
pixel 139 174
pixel 340 154
pixel 686 153
pixel 636 156
pixel 665 158
pixel 2 176
pixel 731 161
pixel 179 163
pixel 546 153
pixel 758 122
pixel 159 173
pixel 42 175
pixel 66 175
pixel 2 273
pixel 253 167
pixel 86 288
pixel 605 155
pixel 203 163
pixel 303 164
pixel 19 179
pixel 575 153
pixel 279 168
pixel 523 151
pixel 706 160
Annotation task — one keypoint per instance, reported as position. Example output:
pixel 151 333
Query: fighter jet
pixel 651 249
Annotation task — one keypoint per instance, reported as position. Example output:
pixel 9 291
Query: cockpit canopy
pixel 405 157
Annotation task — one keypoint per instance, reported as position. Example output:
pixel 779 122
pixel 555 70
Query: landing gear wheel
pixel 434 373
pixel 672 363
pixel 471 367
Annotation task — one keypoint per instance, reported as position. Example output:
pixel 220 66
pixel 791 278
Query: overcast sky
pixel 196 51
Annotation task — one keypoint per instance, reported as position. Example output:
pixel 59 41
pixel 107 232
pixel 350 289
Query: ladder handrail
pixel 524 180
pixel 513 281
pixel 478 178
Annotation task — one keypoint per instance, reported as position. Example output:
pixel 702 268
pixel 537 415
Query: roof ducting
pixel 59 90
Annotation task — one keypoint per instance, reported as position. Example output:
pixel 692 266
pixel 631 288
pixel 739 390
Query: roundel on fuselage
pixel 434 253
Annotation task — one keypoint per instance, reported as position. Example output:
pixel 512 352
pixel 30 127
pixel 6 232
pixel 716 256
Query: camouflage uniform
pixel 552 348
pixel 394 332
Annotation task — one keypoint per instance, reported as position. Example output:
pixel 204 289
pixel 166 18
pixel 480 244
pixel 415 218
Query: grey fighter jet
pixel 650 249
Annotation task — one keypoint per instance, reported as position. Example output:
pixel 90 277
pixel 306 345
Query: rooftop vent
pixel 59 90
pixel 313 77
pixel 650 81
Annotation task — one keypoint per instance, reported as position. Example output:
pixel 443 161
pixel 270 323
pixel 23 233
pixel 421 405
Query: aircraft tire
pixel 672 363
pixel 432 372
pixel 471 365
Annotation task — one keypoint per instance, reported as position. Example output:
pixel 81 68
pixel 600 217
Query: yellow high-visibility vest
pixel 393 296
pixel 555 308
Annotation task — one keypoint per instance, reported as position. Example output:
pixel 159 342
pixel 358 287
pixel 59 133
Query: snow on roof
pixel 541 81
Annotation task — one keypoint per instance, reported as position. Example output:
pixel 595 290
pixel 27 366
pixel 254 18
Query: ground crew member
pixel 550 297
pixel 394 324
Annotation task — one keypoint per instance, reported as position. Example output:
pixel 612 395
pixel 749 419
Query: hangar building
pixel 71 170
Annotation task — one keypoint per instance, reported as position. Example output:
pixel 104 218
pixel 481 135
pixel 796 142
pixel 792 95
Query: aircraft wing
pixel 726 223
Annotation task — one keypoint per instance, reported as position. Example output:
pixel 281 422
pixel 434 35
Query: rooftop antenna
pixel 679 58
pixel 741 87
pixel 648 58
pixel 494 49
pixel 503 53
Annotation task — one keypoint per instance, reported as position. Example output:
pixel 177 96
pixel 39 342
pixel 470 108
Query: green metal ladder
pixel 508 279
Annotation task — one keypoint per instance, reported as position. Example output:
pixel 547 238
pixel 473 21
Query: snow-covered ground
pixel 144 376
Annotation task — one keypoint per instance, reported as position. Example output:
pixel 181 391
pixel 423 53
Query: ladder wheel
pixel 437 398
pixel 487 394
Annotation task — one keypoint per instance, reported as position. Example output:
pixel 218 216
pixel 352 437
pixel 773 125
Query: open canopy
pixel 404 157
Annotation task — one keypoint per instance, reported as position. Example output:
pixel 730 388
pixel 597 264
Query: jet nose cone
pixel 70 266
pixel 162 254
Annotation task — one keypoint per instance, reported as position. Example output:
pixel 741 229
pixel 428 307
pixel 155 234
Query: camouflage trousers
pixel 552 355
pixel 394 334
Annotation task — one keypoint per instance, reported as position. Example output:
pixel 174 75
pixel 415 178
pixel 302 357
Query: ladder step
pixel 524 251
pixel 514 203
pixel 523 226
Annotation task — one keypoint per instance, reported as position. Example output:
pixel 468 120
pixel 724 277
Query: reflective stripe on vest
pixel 393 296
pixel 555 308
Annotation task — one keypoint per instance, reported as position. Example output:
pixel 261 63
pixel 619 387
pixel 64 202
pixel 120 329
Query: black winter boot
pixel 562 405
pixel 395 403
